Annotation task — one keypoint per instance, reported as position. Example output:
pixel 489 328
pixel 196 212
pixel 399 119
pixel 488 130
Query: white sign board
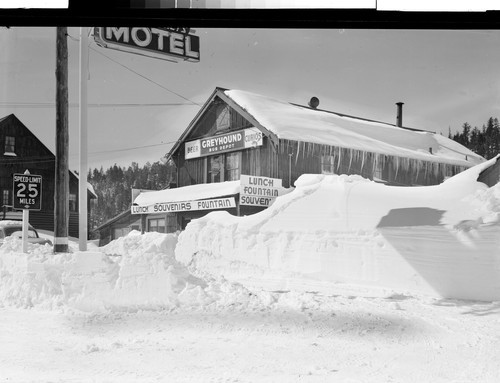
pixel 228 142
pixel 174 207
pixel 260 191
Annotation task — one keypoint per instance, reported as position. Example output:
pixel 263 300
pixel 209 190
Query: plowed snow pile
pixel 235 299
pixel 132 273
pixel 336 232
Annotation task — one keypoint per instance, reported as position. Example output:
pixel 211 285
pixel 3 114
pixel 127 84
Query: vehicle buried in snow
pixel 10 228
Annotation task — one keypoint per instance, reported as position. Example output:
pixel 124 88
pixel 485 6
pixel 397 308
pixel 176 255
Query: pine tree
pixel 484 141
pixel 113 187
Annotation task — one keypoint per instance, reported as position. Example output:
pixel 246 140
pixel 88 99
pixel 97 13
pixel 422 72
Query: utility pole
pixel 61 198
pixel 82 188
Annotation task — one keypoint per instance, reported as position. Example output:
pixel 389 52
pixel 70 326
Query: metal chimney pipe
pixel 399 116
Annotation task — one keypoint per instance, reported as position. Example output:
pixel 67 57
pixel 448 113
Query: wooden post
pixel 26 219
pixel 82 183
pixel 61 197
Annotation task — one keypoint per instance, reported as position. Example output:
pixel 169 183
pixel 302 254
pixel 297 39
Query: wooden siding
pixel 30 155
pixel 306 158
pixel 206 125
pixel 33 155
pixel 260 161
pixel 194 171
pixel 190 172
pixel 43 220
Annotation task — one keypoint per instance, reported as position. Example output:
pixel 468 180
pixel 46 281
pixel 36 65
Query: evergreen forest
pixel 484 141
pixel 113 187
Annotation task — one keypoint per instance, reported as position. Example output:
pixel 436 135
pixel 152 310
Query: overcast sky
pixel 445 78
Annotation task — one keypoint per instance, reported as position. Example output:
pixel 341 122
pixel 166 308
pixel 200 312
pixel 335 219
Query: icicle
pixel 298 151
pixel 350 160
pixel 340 158
pixel 397 166
pixel 335 158
pixel 363 157
pixel 418 171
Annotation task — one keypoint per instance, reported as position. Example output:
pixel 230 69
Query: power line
pixel 144 77
pixel 44 159
pixel 133 148
pixel 138 74
pixel 37 105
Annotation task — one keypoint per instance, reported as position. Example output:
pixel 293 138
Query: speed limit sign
pixel 27 191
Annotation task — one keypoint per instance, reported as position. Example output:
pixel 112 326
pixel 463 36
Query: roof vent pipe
pixel 314 102
pixel 399 116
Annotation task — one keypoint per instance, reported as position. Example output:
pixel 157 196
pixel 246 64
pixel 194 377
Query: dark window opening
pixel 224 167
pixel 10 144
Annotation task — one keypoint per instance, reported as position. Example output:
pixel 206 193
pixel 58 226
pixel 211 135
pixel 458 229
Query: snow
pixel 299 123
pixel 188 193
pixel 331 283
pixel 440 241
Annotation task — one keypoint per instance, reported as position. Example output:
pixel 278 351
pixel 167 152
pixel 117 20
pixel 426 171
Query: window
pixel 223 117
pixel 72 202
pixel 157 225
pixel 224 167
pixel 6 197
pixel 327 165
pixel 215 166
pixel 232 167
pixel 120 232
pixel 10 144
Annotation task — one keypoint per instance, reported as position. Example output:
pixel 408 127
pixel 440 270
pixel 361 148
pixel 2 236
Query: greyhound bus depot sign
pixel 242 139
pixel 163 43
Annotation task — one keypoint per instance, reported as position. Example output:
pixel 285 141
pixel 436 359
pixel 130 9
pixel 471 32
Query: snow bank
pixel 33 278
pixel 331 234
pixel 131 273
pixel 335 232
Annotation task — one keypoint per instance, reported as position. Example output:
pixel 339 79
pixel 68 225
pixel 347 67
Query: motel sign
pixel 163 43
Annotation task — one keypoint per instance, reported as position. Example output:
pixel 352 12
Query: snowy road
pixel 296 338
pixel 197 307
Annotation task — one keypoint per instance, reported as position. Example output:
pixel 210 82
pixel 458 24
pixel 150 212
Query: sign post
pixel 27 191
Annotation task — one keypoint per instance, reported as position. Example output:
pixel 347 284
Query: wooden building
pixel 21 151
pixel 237 133
pixel 116 227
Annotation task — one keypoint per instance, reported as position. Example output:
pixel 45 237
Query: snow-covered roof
pixel 189 193
pixel 90 188
pixel 301 123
